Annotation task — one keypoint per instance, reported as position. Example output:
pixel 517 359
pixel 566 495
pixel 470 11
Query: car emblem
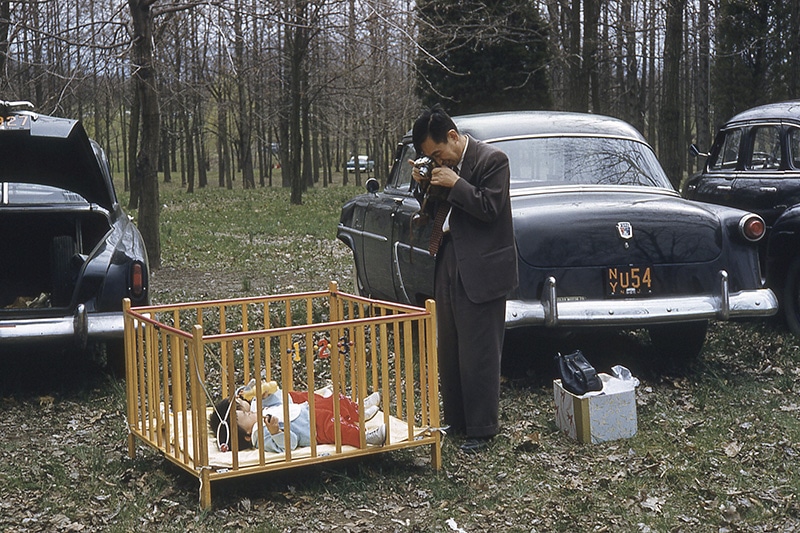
pixel 625 230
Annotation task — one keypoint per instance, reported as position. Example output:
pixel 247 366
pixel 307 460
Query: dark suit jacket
pixel 480 224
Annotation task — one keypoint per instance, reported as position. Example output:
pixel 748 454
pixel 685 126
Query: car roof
pixel 788 110
pixel 51 151
pixel 509 124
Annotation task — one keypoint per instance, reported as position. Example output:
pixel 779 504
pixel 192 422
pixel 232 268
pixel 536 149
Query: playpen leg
pixel 436 452
pixel 205 489
pixel 131 446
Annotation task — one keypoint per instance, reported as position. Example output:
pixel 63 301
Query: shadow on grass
pixel 47 368
pixel 528 354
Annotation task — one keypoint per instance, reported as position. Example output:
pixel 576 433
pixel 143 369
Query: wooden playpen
pixel 182 358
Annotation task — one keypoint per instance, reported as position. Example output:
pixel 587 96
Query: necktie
pixel 438 221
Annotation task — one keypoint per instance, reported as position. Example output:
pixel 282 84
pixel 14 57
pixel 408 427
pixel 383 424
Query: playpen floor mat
pixel 398 433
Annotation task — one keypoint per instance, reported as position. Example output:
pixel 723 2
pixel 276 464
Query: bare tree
pixel 144 76
pixel 670 138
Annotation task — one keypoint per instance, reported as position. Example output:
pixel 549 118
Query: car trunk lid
pixel 55 152
pixel 612 228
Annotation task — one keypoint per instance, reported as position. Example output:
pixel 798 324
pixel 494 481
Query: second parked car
pixel 754 164
pixel 603 239
pixel 364 164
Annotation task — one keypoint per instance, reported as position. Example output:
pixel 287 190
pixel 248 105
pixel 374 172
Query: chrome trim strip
pixel 346 229
pixel 551 189
pixel 395 261
pixel 551 135
pixel 397 273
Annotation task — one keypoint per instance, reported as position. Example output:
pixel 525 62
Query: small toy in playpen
pixel 323 348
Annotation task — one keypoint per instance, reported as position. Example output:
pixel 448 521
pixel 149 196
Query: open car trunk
pixel 43 252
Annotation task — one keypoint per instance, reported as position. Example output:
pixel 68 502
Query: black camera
pixel 425 166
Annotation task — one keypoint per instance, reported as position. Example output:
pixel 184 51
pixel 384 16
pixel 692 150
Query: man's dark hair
pixel 433 123
pixel 215 419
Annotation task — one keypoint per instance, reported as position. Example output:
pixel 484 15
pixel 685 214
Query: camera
pixel 425 166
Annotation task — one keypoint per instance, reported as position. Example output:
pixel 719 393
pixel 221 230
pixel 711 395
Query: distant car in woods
pixel 364 164
pixel 754 164
pixel 603 239
pixel 68 253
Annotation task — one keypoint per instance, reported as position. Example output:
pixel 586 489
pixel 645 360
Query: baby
pixel 299 417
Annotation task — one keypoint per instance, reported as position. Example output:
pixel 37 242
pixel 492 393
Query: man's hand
pixel 441 176
pixel 444 177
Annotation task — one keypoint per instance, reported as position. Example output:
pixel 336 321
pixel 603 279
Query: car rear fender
pixel 783 245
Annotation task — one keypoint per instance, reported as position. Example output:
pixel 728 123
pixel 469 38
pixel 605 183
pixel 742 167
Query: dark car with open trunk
pixel 68 253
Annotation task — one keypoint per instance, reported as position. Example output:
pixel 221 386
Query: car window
pixel 766 148
pixel 729 154
pixel 542 161
pixel 402 177
pixel 794 146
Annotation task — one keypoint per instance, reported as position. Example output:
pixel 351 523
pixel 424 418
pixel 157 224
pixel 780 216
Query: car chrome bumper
pixel 551 312
pixel 81 326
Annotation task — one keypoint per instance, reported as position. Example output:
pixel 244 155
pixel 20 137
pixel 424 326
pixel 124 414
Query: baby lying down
pixel 300 426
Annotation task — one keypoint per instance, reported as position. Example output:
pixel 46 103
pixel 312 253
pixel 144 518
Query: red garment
pixel 323 413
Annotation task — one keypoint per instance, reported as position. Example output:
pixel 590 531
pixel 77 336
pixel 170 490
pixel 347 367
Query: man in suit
pixel 476 269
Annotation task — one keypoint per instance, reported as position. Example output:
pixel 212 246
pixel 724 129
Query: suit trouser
pixel 470 344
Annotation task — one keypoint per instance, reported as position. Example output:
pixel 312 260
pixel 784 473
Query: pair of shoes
pixel 373 399
pixel 475 444
pixel 376 436
pixel 370 412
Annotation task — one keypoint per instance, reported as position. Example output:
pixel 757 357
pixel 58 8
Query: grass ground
pixel 717 449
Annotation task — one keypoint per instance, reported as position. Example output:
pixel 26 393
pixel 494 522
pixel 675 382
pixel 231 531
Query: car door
pixel 377 247
pixel 413 265
pixel 767 185
pixel 715 185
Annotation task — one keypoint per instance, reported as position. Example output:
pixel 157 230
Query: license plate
pixel 15 123
pixel 629 281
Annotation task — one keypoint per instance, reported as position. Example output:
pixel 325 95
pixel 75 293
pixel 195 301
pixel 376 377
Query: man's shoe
pixel 372 399
pixel 475 444
pixel 376 436
pixel 370 412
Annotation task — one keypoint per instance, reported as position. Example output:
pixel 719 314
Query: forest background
pixel 232 89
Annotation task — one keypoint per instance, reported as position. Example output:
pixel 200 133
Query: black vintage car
pixel 68 253
pixel 754 164
pixel 603 239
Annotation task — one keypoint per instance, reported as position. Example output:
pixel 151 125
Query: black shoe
pixel 475 444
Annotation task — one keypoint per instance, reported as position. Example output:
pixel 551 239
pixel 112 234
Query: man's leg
pixel 480 345
pixel 447 339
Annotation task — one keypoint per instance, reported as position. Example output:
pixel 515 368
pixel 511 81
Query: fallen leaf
pixel 732 449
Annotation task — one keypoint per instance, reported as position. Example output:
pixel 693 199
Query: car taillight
pixel 752 227
pixel 137 280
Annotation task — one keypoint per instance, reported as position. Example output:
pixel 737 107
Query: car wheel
pixel 62 248
pixel 679 345
pixel 791 297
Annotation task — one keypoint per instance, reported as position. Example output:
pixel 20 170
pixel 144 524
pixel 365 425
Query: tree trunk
pixel 5 22
pixel 144 75
pixel 200 145
pixel 189 150
pixel 703 79
pixel 133 149
pixel 245 125
pixel 670 134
